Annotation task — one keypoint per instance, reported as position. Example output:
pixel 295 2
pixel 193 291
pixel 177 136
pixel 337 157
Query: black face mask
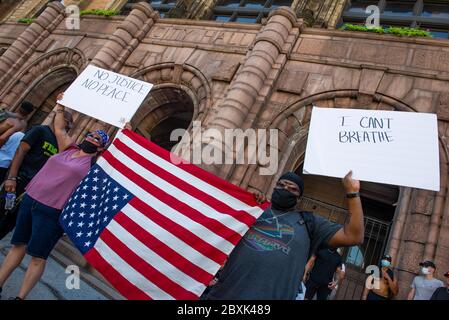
pixel 282 199
pixel 88 147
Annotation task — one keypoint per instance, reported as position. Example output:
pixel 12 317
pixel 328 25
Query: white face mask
pixel 425 271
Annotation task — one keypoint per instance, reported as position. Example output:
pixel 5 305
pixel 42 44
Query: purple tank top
pixel 55 182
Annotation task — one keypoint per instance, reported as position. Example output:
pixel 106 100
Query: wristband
pixel 352 195
pixel 12 178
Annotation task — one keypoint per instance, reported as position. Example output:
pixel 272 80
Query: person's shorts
pixel 37 227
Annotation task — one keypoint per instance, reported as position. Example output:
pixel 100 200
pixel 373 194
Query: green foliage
pixel 99 12
pixel 26 20
pixel 409 32
pixel 398 31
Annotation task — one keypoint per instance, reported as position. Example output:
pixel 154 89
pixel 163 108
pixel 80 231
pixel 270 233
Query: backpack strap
pixel 309 222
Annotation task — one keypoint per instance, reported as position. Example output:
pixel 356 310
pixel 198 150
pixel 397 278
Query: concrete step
pixel 67 254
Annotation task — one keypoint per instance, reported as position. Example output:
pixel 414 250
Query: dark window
pixel 428 15
pixel 399 8
pixel 246 11
pixel 435 11
pixel 163 6
pixel 360 6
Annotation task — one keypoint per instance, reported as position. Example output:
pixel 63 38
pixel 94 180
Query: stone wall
pixel 258 76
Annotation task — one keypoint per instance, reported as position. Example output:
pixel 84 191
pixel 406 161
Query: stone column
pixel 21 50
pixel 255 81
pixel 414 238
pixel 126 38
pixel 262 65
pixel 123 42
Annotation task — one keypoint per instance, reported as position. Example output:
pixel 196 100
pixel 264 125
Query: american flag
pixel 152 228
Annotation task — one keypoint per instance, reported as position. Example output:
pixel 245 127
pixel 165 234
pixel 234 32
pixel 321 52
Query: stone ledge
pixel 66 254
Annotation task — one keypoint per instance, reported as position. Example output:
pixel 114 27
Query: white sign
pixel 392 147
pixel 106 95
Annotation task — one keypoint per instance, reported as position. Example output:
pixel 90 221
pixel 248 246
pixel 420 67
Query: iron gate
pixel 356 258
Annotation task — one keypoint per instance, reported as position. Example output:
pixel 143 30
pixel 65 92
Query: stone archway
pixel 40 82
pixel 412 237
pixel 33 73
pixel 43 94
pixel 167 108
pixel 184 77
pixel 293 125
pixel 181 94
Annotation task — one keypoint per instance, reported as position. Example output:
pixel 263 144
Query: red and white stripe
pixel 171 239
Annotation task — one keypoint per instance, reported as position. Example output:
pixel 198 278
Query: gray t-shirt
pixel 268 263
pixel 425 288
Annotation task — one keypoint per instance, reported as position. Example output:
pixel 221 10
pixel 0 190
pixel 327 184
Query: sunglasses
pixel 96 139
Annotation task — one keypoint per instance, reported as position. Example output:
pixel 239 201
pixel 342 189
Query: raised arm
pixel 62 136
pixel 353 231
pixel 14 126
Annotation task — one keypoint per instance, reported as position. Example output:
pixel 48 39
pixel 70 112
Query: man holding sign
pixel 269 262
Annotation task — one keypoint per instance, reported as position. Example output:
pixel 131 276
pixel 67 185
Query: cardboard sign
pixel 106 95
pixel 392 147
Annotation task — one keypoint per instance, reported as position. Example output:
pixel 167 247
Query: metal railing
pixel 358 257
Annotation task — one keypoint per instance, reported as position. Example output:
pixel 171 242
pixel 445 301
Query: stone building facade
pixel 267 75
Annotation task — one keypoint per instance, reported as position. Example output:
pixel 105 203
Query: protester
pixel 7 152
pixel 35 148
pixel 38 228
pixel 387 284
pixel 268 263
pixel 424 286
pixel 338 277
pixel 14 122
pixel 442 293
pixel 319 273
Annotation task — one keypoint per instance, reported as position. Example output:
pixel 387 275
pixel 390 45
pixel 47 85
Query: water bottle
pixel 10 199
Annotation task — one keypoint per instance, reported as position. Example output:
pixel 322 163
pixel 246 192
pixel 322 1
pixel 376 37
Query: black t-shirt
pixel 441 294
pixel 326 263
pixel 43 145
pixel 268 263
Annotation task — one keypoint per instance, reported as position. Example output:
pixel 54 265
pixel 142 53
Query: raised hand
pixel 350 185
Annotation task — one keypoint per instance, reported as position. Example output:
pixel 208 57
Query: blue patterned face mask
pixel 385 263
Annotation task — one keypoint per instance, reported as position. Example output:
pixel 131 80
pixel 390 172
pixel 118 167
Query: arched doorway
pixel 166 109
pixel 324 195
pixel 43 94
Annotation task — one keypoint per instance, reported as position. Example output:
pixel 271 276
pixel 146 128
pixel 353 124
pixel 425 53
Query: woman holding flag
pixel 38 229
